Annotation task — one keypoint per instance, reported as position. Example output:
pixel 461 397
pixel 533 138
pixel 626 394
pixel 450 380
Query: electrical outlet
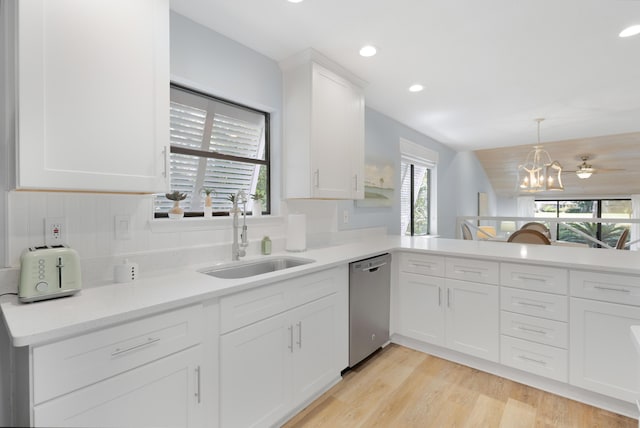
pixel 345 216
pixel 55 231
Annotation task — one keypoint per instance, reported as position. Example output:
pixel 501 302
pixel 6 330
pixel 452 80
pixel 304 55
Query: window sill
pixel 213 223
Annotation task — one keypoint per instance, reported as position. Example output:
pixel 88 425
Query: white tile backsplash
pixel 90 221
pixel 156 245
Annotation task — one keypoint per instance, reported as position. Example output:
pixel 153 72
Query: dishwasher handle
pixel 373 268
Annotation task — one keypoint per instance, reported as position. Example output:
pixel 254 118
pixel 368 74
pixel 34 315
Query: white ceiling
pixel 489 67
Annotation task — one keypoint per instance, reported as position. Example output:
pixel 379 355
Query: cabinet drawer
pixel 542 360
pixel 545 305
pixel 247 307
pixel 547 332
pixel 472 270
pixel 607 287
pixel 314 286
pixel 69 364
pixel 535 278
pixel 423 264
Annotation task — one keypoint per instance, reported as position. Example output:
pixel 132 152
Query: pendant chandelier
pixel 539 173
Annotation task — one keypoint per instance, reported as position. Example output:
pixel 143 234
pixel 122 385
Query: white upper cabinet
pixel 323 129
pixel 92 87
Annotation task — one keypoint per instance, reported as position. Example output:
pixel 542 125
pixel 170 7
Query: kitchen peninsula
pixel 556 318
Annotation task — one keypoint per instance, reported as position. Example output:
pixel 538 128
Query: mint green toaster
pixel 48 272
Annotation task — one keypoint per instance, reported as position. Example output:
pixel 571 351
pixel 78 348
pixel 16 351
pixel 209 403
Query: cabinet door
pixel 602 355
pixel 335 113
pixel 255 373
pixel 473 319
pixel 421 315
pixel 93 93
pixel 165 393
pixel 315 360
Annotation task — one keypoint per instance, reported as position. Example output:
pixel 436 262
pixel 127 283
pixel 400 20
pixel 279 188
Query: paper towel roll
pixel 296 232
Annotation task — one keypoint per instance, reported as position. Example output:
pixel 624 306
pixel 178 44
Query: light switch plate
pixel 122 227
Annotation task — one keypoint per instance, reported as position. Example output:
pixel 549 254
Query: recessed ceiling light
pixel 630 31
pixel 294 1
pixel 416 88
pixel 368 50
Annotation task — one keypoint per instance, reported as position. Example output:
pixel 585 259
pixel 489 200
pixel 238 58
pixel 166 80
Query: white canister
pixel 296 232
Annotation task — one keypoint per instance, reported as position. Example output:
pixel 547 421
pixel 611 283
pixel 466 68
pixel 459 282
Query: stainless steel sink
pixel 253 268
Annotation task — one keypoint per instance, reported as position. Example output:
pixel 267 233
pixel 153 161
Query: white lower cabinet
pixel 603 357
pixel 543 360
pixel 472 319
pixel 283 344
pixel 421 316
pixel 269 367
pixel 255 373
pixel 165 393
pixel 315 361
pixel 460 315
pixel 149 372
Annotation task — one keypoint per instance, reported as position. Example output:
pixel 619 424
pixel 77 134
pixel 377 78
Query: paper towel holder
pixel 296 233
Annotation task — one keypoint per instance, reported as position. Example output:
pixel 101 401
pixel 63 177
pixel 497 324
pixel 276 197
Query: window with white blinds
pixel 216 145
pixel 416 193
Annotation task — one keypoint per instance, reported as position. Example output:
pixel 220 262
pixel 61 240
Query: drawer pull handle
pixel 439 297
pixel 532 330
pixel 149 341
pixel 466 271
pixel 448 297
pixel 422 265
pixel 620 290
pixel 300 334
pixel 533 305
pixel 530 278
pixel 533 360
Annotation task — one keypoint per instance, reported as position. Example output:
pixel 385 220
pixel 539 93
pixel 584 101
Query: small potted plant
pixel 176 197
pixel 232 198
pixel 207 201
pixel 258 200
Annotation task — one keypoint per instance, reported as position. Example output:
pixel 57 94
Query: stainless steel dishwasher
pixel 369 295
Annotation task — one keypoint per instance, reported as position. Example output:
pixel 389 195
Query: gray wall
pixel 460 177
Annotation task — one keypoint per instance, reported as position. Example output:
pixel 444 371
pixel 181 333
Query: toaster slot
pixel 60 266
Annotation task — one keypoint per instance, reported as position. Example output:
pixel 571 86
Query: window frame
pixel 203 154
pixel 412 154
pixel 598 213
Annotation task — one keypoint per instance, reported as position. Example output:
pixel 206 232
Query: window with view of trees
pixel 415 199
pixel 592 208
pixel 215 145
pixel 417 188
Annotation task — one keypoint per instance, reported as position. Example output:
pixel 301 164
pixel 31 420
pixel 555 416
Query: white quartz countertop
pixel 96 307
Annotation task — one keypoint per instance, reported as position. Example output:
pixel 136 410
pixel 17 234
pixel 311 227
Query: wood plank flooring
pixel 400 387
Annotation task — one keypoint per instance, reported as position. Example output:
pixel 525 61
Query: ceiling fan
pixel 585 170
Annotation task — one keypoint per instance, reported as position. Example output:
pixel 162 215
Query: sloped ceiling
pixel 616 159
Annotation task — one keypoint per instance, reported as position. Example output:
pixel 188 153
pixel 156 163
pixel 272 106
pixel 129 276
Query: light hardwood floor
pixel 400 387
